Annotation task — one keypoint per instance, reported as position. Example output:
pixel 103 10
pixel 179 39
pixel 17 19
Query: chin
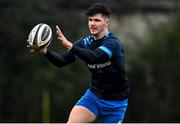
pixel 93 33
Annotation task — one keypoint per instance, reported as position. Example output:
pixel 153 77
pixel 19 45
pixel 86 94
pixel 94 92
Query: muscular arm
pixel 60 60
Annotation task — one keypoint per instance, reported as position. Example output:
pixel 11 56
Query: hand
pixel 36 49
pixel 62 39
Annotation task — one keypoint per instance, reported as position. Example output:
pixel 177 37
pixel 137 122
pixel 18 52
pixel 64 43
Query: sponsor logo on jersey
pixel 93 66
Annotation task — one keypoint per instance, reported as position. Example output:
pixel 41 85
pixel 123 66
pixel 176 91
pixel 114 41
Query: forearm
pixel 60 60
pixel 90 56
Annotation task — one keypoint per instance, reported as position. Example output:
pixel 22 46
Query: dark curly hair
pixel 98 8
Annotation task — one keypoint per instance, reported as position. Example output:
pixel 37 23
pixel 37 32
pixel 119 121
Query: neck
pixel 101 34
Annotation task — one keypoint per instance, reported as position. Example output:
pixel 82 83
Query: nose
pixel 92 22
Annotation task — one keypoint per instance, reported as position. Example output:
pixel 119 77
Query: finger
pixel 57 32
pixel 58 29
pixel 60 38
pixel 31 50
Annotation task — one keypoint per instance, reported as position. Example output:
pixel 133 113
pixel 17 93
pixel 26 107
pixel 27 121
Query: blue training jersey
pixel 105 60
pixel 108 78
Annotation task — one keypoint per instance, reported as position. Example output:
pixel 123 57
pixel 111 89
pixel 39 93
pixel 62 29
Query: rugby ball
pixel 40 36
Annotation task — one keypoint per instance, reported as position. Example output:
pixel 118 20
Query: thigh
pixel 113 111
pixel 81 114
pixel 85 110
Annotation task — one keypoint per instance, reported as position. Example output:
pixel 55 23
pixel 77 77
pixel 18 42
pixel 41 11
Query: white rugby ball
pixel 40 36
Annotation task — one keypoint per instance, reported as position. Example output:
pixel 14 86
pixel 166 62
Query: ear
pixel 107 21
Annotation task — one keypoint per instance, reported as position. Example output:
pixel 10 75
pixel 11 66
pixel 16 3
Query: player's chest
pixel 94 45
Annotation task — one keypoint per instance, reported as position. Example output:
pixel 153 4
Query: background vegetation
pixel 33 90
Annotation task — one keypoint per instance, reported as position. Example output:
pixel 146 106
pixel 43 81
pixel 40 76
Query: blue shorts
pixel 106 111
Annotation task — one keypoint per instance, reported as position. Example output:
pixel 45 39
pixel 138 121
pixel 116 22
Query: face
pixel 98 25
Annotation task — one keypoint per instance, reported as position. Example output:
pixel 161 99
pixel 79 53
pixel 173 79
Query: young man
pixel 107 96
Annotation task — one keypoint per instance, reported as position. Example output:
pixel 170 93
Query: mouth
pixel 93 29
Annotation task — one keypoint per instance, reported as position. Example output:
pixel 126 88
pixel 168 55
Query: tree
pixel 155 77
